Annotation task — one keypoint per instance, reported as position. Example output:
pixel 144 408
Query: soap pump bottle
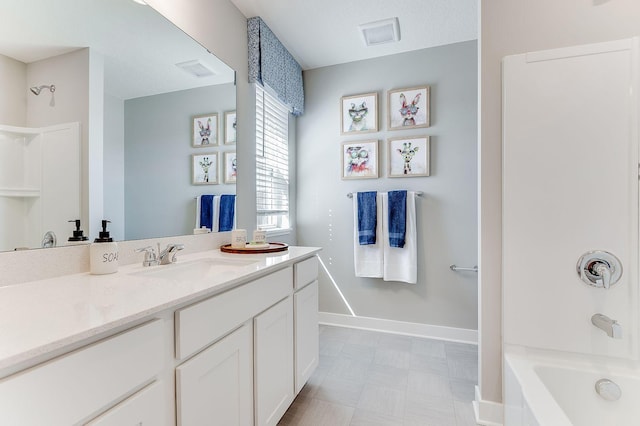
pixel 78 235
pixel 103 253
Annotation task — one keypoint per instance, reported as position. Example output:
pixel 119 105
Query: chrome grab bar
pixel 463 268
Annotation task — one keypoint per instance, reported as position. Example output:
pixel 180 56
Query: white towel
pixel 215 221
pixel 368 258
pixel 198 207
pixel 401 264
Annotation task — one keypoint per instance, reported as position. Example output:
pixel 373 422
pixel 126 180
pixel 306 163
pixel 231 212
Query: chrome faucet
pixel 150 258
pixel 608 325
pixel 49 239
pixel 168 255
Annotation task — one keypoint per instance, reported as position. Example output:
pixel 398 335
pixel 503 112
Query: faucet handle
pixel 599 269
pixel 149 256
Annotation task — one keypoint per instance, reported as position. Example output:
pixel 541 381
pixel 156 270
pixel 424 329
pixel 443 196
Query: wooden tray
pixel 273 248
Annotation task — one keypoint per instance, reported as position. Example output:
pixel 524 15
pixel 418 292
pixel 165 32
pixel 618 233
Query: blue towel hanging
pixel 397 217
pixel 206 211
pixel 367 217
pixel 227 212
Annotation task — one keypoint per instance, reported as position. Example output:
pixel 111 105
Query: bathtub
pixel 554 389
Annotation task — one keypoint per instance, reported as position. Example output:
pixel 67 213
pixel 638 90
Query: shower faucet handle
pixel 599 269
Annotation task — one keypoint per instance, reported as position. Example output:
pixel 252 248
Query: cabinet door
pixel 305 303
pixel 216 386
pixel 141 409
pixel 273 362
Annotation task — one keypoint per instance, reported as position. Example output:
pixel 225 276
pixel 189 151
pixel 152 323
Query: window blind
pixel 272 162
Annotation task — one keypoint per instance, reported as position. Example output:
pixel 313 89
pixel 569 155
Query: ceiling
pixel 323 33
pixel 139 46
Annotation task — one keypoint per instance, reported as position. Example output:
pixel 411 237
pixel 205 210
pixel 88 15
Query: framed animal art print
pixel 230 127
pixel 359 114
pixel 409 156
pixel 360 159
pixel 204 169
pixel 204 130
pixel 408 108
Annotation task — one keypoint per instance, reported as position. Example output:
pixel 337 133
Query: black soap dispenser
pixel 103 253
pixel 78 234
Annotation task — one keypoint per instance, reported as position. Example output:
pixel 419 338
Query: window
pixel 272 162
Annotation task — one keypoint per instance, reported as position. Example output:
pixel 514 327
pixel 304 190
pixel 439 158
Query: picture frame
pixel 204 130
pixel 409 156
pixel 230 167
pixel 204 169
pixel 359 159
pixel 359 114
pixel 408 108
pixel 230 121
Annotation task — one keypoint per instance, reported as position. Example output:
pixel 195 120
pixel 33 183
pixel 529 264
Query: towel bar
pixel 350 195
pixel 461 268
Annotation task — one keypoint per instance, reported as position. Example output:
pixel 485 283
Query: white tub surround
pixel 570 188
pixel 87 322
pixel 555 388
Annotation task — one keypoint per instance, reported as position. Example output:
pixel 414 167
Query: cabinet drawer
pixel 203 323
pixel 144 408
pixel 72 387
pixel 305 272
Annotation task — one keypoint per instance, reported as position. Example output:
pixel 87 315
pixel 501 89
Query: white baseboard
pixel 488 413
pixel 462 335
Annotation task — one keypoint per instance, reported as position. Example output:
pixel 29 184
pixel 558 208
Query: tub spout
pixel 608 325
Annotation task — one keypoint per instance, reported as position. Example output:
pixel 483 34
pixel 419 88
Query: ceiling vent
pixel 196 68
pixel 380 32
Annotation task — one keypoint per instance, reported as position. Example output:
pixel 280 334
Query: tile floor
pixel 369 378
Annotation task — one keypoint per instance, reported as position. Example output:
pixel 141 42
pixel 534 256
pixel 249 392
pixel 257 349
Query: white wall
pixel 508 27
pixel 13 86
pixel 446 213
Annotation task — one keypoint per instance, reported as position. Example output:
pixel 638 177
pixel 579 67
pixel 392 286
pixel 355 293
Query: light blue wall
pixel 447 225
pixel 159 195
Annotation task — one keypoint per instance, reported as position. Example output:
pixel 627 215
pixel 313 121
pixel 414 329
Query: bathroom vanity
pixel 214 339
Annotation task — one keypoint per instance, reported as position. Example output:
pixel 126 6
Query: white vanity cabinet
pixel 216 386
pixel 79 386
pixel 237 356
pixel 255 347
pixel 273 363
pixel 242 376
pixel 305 305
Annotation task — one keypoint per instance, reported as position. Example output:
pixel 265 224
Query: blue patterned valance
pixel 271 64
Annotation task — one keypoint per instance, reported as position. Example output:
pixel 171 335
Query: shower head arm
pixel 37 89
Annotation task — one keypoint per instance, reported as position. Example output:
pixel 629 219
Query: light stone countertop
pixel 45 316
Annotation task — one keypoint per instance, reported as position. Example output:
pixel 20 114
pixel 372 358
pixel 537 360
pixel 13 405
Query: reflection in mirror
pixel 96 121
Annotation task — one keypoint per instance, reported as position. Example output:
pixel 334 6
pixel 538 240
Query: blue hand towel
pixel 367 217
pixel 227 212
pixel 206 210
pixel 397 217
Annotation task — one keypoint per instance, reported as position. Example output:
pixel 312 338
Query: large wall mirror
pixel 107 111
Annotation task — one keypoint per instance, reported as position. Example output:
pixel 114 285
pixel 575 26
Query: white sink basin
pixel 195 269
